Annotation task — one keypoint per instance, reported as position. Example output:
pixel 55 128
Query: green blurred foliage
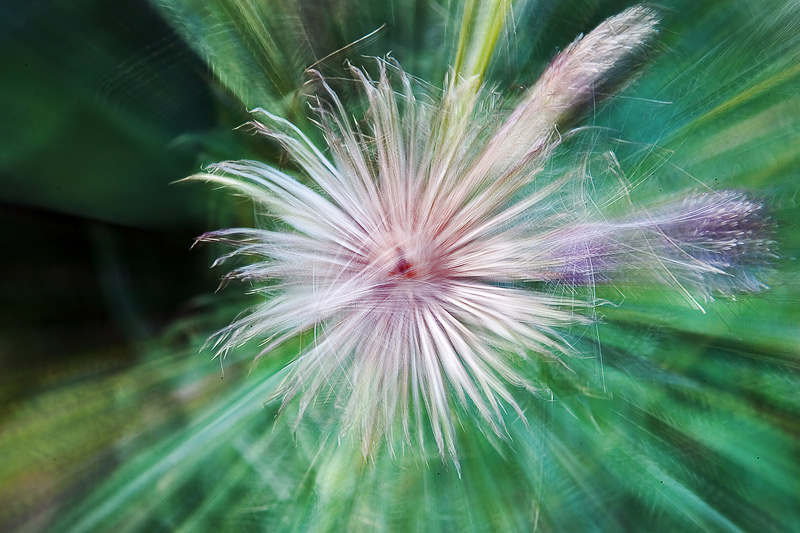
pixel 95 96
pixel 103 106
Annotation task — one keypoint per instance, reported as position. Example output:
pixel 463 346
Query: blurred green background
pixel 100 103
pixel 102 107
pixel 112 418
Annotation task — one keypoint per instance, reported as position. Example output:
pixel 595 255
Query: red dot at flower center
pixel 404 269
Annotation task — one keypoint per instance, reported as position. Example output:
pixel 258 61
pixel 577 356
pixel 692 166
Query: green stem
pixel 481 25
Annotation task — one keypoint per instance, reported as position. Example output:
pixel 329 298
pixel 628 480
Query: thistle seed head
pixel 409 250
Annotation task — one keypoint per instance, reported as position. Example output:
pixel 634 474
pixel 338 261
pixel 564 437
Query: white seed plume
pixel 408 256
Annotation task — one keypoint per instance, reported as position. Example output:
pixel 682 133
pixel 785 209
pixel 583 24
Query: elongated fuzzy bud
pixel 710 242
pixel 589 68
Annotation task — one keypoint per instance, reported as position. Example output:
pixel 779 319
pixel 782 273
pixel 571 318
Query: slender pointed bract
pixel 409 258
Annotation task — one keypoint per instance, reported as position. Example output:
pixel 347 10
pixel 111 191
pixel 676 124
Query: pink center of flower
pixel 403 268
